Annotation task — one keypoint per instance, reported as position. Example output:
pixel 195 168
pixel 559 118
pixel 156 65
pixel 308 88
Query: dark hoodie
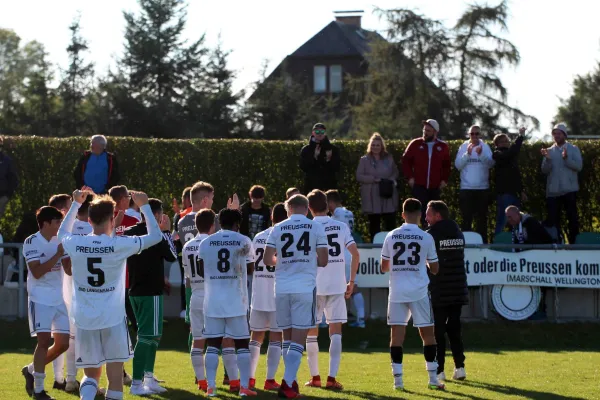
pixel 319 173
pixel 530 231
pixel 507 172
pixel 449 286
pixel 254 221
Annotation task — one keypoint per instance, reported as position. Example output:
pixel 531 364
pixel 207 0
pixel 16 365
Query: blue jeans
pixel 503 201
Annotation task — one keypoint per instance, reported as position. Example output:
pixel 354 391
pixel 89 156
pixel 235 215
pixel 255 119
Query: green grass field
pixel 504 360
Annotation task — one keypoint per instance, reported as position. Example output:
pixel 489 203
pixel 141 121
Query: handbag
pixel 386 188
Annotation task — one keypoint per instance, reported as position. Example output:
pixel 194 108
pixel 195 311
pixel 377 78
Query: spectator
pixel 561 163
pixel 426 165
pixel 186 203
pixel 377 174
pixel 474 160
pixel 509 187
pixel 8 178
pixel 448 289
pixel 97 168
pixel 525 228
pixel 320 161
pixel 256 215
pixel 291 192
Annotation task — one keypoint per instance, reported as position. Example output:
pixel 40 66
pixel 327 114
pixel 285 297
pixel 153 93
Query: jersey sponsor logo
pixel 192 248
pixel 402 236
pixel 452 243
pixel 79 360
pixel 95 250
pixel 188 228
pixel 293 227
pixel 260 241
pixel 225 243
pixel 333 228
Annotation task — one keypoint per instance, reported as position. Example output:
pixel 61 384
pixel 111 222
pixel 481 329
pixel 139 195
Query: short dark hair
pixel 155 205
pixel 290 192
pixel 317 201
pixel 439 207
pixel 228 218
pixel 85 206
pixel 186 194
pixel 411 206
pixel 279 213
pixel 102 208
pixel 205 219
pixel 47 214
pixel 334 195
pixel 59 201
pixel 201 187
pixel 257 192
pixel 118 192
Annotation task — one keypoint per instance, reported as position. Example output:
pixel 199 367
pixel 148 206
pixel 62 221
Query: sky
pixel 557 40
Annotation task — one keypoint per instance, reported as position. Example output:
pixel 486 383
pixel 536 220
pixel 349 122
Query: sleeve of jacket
pixel 361 172
pixel 446 163
pixel 307 159
pixel 546 165
pixel 513 151
pixel 335 162
pixel 486 155
pixel 77 174
pixel 462 157
pixel 167 247
pixel 574 160
pixel 115 176
pixel 395 172
pixel 13 178
pixel 408 161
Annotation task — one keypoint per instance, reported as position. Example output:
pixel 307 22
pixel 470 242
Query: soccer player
pixel 186 203
pixel 48 316
pixel 342 214
pixel 205 224
pixel 332 290
pixel 98 262
pixel 146 287
pixel 263 316
pixel 291 192
pixel 296 246
pixel 62 202
pixel 226 258
pixel 407 252
pixel 133 211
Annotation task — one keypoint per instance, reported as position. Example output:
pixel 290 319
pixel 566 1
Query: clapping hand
pixel 139 198
pixel 564 153
pixel 470 148
pixel 80 195
pixel 479 149
pixel 545 153
pixel 234 202
pixel 165 223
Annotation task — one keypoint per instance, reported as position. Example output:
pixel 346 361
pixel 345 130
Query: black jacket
pixel 113 170
pixel 264 211
pixel 449 286
pixel 319 173
pixel 8 176
pixel 507 172
pixel 146 270
pixel 532 232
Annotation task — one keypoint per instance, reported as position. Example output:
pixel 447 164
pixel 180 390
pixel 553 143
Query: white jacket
pixel 475 168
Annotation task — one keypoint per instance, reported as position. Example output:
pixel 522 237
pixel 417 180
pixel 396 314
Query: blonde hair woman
pixel 377 174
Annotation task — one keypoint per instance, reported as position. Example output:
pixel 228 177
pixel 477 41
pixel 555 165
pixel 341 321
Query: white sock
pixel 397 371
pixel 294 360
pixel 30 368
pixel 254 348
pixel 243 363
pixel 88 388
pixel 197 356
pixel 359 304
pixel 335 354
pixel 211 361
pixel 59 368
pixel 70 361
pixel 312 353
pixel 431 368
pixel 273 359
pixel 284 352
pixel 114 395
pixel 38 381
pixel 230 362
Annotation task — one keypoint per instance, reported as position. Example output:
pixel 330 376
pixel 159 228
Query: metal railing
pixel 21 301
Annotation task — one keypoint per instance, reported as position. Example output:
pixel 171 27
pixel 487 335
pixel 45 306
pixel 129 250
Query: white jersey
pixel 134 214
pixel 48 289
pixel 263 279
pixel 344 215
pixel 79 228
pixel 98 264
pixel 191 270
pixel 409 248
pixel 82 228
pixel 225 256
pixel 332 278
pixel 296 241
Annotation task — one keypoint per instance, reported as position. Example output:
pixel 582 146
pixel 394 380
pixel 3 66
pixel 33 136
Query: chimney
pixel 352 18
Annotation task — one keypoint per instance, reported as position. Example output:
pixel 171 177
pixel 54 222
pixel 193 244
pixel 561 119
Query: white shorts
pixel 43 318
pixel 231 327
pixel 334 306
pixel 261 321
pixel 94 348
pixel 420 310
pixel 296 310
pixel 197 323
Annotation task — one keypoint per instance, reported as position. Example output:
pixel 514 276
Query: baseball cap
pixel 318 125
pixel 433 123
pixel 561 127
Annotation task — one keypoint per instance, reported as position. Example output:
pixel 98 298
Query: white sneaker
pixel 140 390
pixel 459 374
pixel 182 314
pixel 398 383
pixel 442 376
pixel 153 385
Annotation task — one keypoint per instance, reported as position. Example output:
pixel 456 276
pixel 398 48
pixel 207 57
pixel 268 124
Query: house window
pixel 335 78
pixel 320 79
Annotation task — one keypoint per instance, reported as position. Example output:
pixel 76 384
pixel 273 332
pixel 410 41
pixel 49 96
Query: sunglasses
pixel 319 131
pixel 475 133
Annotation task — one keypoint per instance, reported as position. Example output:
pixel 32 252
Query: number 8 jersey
pixel 408 248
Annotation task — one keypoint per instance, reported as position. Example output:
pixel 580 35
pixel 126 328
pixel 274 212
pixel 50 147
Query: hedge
pixel 163 168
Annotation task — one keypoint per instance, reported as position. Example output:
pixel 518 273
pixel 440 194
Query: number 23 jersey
pixel 408 248
pixel 263 279
pixel 296 241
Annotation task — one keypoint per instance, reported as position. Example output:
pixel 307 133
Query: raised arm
pixel 154 234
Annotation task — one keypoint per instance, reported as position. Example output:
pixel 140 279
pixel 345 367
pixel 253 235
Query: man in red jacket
pixel 426 165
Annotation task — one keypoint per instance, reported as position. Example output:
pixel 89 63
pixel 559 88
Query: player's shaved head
pixel 200 190
pixel 279 213
pixel 317 201
pixel 297 204
pixel 60 201
pixel 102 210
pixel 205 219
pixel 230 219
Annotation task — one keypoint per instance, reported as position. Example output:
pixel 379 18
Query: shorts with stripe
pixel 43 318
pixel 420 310
pixel 94 348
pixel 262 321
pixel 229 327
pixel 296 310
pixel 148 312
pixel 334 307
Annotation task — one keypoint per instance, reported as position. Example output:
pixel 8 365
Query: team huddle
pixel 301 269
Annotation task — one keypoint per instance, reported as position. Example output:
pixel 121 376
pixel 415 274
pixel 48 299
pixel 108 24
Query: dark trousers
pixel 182 287
pixel 568 202
pixel 447 322
pixel 474 205
pixel 389 223
pixel 425 195
pixel 129 311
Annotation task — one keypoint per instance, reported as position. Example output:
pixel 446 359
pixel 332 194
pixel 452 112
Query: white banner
pixel 556 268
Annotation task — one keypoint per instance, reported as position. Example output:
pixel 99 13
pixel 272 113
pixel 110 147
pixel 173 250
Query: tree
pixel 580 110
